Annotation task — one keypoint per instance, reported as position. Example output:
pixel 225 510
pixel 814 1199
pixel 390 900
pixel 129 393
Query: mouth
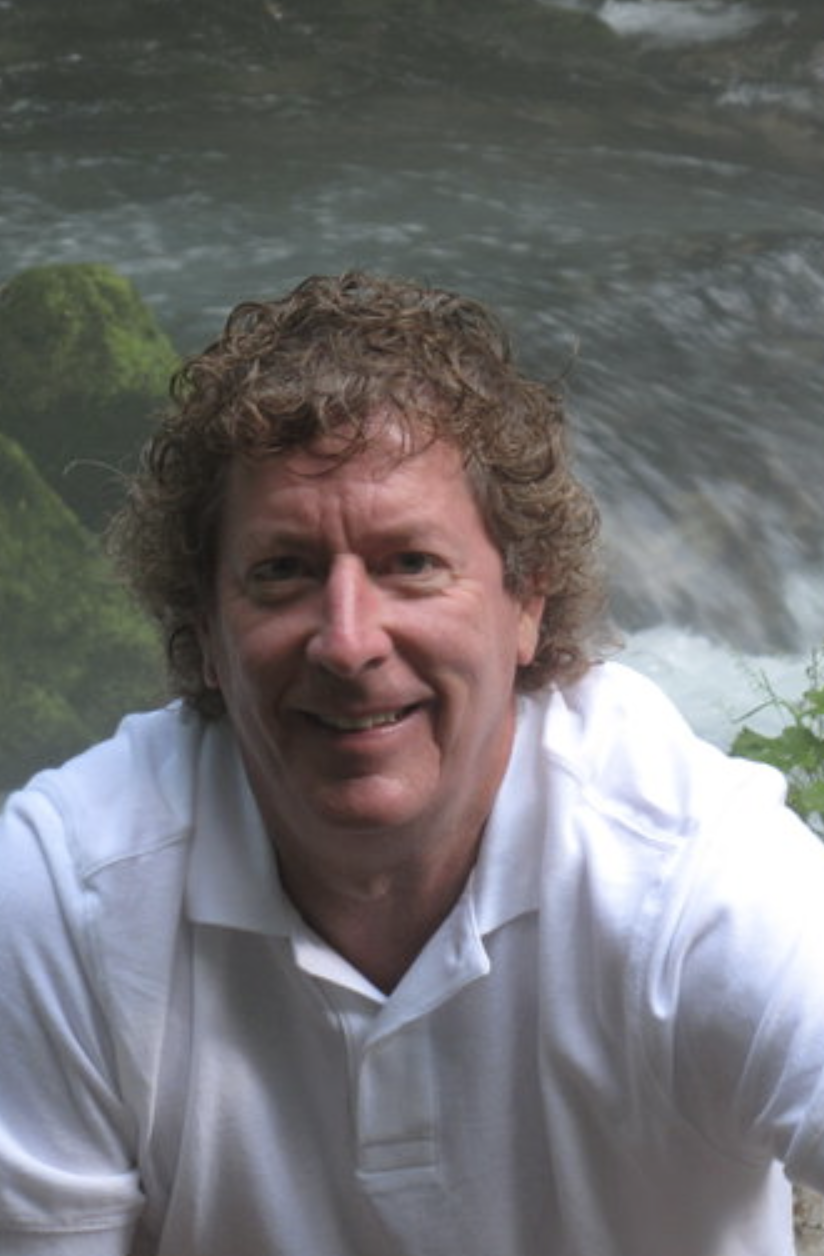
pixel 363 723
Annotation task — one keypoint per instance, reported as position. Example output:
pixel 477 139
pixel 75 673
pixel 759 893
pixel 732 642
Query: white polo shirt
pixel 604 1050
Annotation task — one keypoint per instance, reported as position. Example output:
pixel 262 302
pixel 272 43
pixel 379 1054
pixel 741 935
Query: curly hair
pixel 324 359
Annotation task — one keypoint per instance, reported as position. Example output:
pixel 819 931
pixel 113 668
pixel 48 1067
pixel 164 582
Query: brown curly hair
pixel 325 358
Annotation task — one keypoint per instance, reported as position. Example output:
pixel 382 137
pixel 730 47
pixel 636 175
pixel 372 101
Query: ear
pixel 530 613
pixel 210 677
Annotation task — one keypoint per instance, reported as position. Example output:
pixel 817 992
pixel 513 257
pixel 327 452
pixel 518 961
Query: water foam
pixel 716 689
pixel 678 21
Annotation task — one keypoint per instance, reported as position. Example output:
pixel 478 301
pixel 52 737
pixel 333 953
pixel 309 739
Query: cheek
pixel 245 672
pixel 481 648
pixel 231 661
pixel 249 642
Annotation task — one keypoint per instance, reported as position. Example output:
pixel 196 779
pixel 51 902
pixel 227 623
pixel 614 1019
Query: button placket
pixel 397 1102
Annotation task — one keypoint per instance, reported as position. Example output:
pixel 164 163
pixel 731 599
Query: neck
pixel 378 921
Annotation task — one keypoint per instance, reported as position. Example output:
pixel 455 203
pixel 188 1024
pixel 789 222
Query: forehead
pixel 387 454
pixel 386 478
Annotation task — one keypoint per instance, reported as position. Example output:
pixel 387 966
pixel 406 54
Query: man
pixel 411 927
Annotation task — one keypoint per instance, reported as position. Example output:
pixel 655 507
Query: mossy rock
pixel 75 655
pixel 84 369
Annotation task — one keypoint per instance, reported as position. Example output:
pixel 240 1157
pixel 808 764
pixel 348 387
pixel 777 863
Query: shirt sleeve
pixel 68 1181
pixel 742 963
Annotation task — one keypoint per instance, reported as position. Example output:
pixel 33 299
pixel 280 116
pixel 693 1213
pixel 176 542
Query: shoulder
pixel 95 852
pixel 92 924
pixel 689 851
pixel 634 756
pixel 119 799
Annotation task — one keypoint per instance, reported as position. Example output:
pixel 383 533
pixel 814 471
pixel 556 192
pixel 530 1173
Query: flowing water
pixel 637 185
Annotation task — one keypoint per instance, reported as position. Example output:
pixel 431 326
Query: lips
pixel 340 723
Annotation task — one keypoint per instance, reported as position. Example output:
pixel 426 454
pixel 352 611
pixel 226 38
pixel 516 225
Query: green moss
pixel 84 368
pixel 74 654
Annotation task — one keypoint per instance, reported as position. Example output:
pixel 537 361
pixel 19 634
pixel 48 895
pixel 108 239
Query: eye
pixel 279 575
pixel 413 563
pixel 285 567
pixel 415 570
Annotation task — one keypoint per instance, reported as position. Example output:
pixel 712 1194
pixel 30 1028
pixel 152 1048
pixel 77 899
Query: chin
pixel 367 810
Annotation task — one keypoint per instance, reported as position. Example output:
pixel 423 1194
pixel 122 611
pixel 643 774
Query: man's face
pixel 365 646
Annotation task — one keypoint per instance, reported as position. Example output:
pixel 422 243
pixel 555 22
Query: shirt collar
pixel 506 880
pixel 232 878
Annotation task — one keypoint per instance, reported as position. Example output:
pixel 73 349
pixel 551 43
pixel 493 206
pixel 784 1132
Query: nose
pixel 350 636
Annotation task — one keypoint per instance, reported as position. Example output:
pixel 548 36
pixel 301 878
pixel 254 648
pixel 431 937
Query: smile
pixel 363 723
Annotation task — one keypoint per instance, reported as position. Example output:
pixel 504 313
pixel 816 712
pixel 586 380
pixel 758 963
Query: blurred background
pixel 637 186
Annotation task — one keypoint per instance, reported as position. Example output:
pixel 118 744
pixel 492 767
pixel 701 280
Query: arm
pixel 749 1048
pixel 68 1182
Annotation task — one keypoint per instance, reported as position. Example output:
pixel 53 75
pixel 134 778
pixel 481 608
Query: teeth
pixel 361 723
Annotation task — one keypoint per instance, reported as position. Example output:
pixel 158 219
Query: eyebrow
pixel 421 534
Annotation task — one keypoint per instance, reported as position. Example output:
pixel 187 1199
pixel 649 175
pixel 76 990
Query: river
pixel 637 185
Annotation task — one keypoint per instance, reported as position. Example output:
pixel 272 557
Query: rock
pixel 76 654
pixel 84 367
pixel 809 1223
